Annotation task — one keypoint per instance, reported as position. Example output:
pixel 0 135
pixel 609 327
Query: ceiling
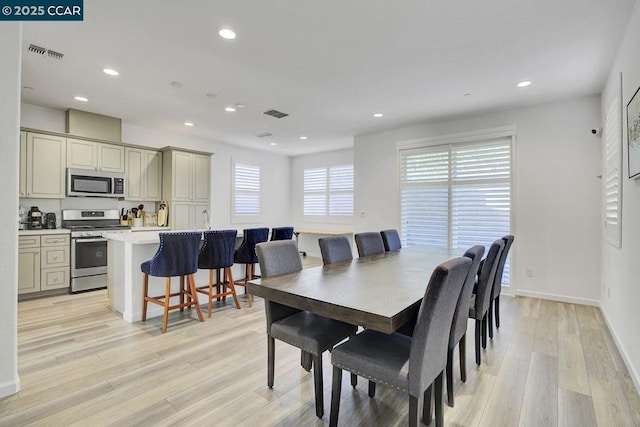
pixel 329 64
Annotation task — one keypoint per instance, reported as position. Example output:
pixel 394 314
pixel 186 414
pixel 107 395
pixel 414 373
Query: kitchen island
pixel 126 252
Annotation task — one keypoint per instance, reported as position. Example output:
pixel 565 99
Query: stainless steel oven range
pixel 89 247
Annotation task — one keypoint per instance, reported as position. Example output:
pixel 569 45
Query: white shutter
pixel 315 191
pixel 341 190
pixel 246 185
pixel 456 195
pixel 612 197
pixel 328 191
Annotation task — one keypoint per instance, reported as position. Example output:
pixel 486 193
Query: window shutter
pixel 328 191
pixel 315 187
pixel 456 195
pixel 612 197
pixel 246 191
pixel 341 190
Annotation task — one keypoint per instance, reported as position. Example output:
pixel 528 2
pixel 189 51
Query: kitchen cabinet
pixel 82 154
pixel 186 186
pixel 22 179
pixel 42 169
pixel 143 174
pixel 43 262
pixel 188 216
pixel 28 264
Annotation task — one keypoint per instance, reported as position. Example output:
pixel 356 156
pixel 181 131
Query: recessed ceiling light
pixel 273 144
pixel 303 137
pixel 378 115
pixel 240 105
pixel 467 94
pixel 227 33
pixel 110 71
pixel 524 83
pixel 229 109
pixel 177 85
pixel 80 98
pixel 188 123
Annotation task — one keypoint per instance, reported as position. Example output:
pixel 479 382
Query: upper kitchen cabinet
pixel 186 185
pixel 186 176
pixel 23 164
pixel 144 174
pixel 83 154
pixel 42 170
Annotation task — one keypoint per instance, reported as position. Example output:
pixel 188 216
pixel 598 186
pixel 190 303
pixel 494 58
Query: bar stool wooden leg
pixel 166 304
pixel 211 291
pixel 194 295
pixel 182 293
pixel 145 292
pixel 229 276
pixel 249 276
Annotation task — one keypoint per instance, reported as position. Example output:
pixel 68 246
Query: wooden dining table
pixel 379 292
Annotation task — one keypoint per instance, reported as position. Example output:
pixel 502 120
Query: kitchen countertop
pixel 43 231
pixel 153 228
pixel 139 237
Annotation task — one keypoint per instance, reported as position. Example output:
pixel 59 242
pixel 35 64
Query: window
pixel 328 191
pixel 456 195
pixel 612 158
pixel 246 193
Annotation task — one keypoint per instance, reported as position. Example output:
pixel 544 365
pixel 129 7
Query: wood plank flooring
pixel 550 364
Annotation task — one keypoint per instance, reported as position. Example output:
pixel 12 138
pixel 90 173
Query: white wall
pixel 275 170
pixel 620 267
pixel 557 193
pixel 10 51
pixel 309 242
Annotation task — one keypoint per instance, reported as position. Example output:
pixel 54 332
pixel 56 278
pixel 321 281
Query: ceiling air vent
pixel 264 135
pixel 275 113
pixel 36 49
pixel 55 55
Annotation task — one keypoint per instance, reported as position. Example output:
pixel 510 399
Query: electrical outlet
pixel 529 272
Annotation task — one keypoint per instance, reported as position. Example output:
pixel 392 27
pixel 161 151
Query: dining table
pixel 379 292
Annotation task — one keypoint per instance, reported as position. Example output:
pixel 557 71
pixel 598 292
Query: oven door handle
pixel 81 240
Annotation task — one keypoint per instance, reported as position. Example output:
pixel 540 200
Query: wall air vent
pixel 36 49
pixel 55 55
pixel 264 135
pixel 275 113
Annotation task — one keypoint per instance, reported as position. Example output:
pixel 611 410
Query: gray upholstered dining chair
pixel 480 300
pixel 391 240
pixel 494 306
pixel 458 334
pixel 309 332
pixel 369 243
pixel 335 249
pixel 409 364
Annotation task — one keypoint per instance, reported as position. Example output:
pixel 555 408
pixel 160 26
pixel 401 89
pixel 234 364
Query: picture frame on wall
pixel 633 135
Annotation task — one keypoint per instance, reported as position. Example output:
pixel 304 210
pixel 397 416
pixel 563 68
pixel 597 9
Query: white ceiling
pixel 330 64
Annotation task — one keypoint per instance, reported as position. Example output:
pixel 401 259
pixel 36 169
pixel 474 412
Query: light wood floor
pixel 80 364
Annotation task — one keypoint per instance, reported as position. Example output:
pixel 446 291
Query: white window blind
pixel 612 198
pixel 246 186
pixel 328 191
pixel 457 195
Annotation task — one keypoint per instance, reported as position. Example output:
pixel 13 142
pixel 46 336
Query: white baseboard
pixel 627 361
pixel 9 388
pixel 556 297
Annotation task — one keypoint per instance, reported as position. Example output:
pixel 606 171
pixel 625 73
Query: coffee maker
pixel 34 219
pixel 49 221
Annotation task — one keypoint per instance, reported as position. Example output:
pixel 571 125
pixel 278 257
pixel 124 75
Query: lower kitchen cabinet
pixel 43 262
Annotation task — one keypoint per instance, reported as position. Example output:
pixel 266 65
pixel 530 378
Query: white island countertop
pixel 142 237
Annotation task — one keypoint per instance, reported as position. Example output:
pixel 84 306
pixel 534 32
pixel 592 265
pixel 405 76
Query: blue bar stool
pixel 176 256
pixel 217 253
pixel 246 253
pixel 282 233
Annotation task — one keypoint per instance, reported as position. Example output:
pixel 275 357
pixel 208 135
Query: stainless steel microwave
pixel 90 183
